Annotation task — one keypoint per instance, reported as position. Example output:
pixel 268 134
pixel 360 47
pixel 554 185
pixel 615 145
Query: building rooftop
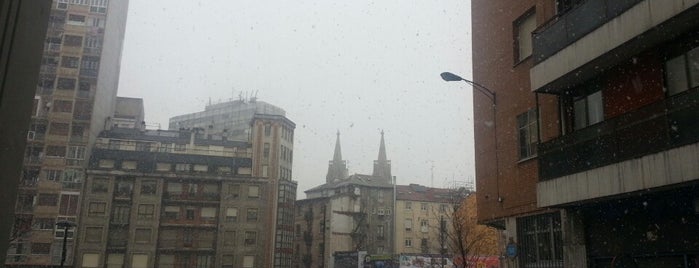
pixel 416 192
pixel 172 136
pixel 356 179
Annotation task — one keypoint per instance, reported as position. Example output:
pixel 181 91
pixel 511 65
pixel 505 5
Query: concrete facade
pixel 74 97
pixel 417 216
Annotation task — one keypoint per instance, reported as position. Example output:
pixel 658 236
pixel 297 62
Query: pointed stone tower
pixel 382 166
pixel 337 168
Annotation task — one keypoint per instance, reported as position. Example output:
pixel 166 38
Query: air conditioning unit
pixel 30 135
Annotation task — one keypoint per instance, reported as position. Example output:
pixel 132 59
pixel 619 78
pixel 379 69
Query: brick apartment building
pixel 604 171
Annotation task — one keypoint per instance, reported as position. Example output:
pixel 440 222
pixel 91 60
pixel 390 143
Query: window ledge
pixel 526 159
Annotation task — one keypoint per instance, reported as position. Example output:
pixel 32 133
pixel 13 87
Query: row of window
pixel 424 206
pixel 142 260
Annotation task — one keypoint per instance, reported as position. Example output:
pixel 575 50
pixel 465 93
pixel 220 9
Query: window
pixel 53 174
pixel 201 168
pixel 180 147
pixel 115 260
pixel 174 188
pixel 74 19
pixel 100 185
pixel 248 261
pixel 424 225
pixel 128 165
pixel 189 213
pixel 114 144
pixel 253 191
pixel 523 28
pixel 539 240
pixel 408 205
pixel 149 187
pixel 68 205
pixel 231 214
pixel 208 213
pixel 442 208
pixel 227 261
pixel 234 190
pixel 106 163
pixel 682 72
pixel 143 146
pixel 204 261
pixel 250 238
pixel 423 206
pixel 47 200
pixel 70 62
pixel 96 208
pixel 268 130
pixel 121 214
pixel 181 167
pixel 163 167
pixel 93 234
pixel 91 260
pixel 43 223
pixel 41 248
pixel 528 131
pixel 59 129
pixel 66 83
pixel 142 235
pixel 145 211
pixel 62 106
pixel 139 261
pixel 165 148
pixel 408 224
pixel 172 212
pixel 380 231
pixel 76 152
pixel 408 242
pixel 72 40
pixel 265 153
pixel 563 6
pixel 166 261
pixel 252 214
pixel 588 110
pixel 229 238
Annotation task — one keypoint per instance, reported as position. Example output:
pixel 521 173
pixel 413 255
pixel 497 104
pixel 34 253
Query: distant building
pixel 271 137
pixel 421 218
pixel 353 213
pixel 230 119
pixel 129 113
pixel 74 97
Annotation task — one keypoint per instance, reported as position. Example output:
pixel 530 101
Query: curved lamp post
pixel 66 225
pixel 450 77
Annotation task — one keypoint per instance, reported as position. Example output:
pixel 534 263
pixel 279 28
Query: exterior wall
pixel 21 57
pixel 311 236
pixel 493 55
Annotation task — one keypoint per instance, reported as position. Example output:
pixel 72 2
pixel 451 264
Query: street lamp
pixel 66 225
pixel 450 77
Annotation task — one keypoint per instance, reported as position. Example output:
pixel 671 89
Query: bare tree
pixel 460 232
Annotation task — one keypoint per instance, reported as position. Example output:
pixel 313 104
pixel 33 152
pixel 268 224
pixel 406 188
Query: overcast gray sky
pixel 356 66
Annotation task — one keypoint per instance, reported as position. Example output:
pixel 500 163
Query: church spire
pixel 382 166
pixel 337 168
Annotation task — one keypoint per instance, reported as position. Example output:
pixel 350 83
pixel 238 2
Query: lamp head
pixel 447 76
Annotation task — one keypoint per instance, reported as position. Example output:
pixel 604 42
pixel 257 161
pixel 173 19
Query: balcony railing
pixel 183 196
pixel 657 127
pixel 567 28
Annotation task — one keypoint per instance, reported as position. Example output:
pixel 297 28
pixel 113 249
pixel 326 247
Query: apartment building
pixel 271 136
pixel 74 96
pixel 602 96
pixel 422 215
pixel 160 198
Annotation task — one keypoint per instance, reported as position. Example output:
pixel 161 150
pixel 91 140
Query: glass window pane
pixel 580 113
pixel 676 75
pixel 595 108
pixel 525 36
pixel 693 67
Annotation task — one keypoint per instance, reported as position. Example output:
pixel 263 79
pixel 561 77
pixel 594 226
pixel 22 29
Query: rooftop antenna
pixel 432 174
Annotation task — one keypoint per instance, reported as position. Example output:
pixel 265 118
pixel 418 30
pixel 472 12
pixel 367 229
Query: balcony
pixel 598 34
pixel 646 148
pixel 564 29
pixel 170 244
pixel 657 127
